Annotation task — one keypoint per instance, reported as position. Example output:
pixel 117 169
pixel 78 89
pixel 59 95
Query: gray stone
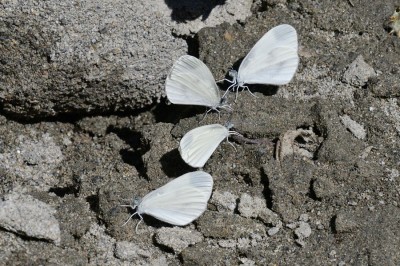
pixel 358 72
pixel 34 158
pixel 90 57
pixel 27 216
pixel 273 231
pixel 354 127
pixel 77 210
pixel 224 201
pixel 130 251
pixel 227 225
pixel 97 57
pixel 302 232
pixel 303 217
pixel 227 243
pixel 204 254
pixel 323 187
pixel 177 238
pixel 339 145
pixel 345 222
pixel 253 207
pixel 102 246
pixel 201 14
pixel 247 262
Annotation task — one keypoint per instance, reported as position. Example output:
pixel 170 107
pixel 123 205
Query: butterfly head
pixel 135 202
pixel 229 125
pixel 233 74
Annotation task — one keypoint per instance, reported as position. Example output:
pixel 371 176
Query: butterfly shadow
pixel 148 220
pixel 134 140
pixel 173 113
pixel 173 165
pixel 187 10
pixel 266 90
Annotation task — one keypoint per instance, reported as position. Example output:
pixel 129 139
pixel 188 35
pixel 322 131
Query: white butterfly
pixel 197 146
pixel 273 60
pixel 190 82
pixel 178 202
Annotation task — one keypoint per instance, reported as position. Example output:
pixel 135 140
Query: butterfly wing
pixel 273 59
pixel 198 144
pixel 180 201
pixel 190 82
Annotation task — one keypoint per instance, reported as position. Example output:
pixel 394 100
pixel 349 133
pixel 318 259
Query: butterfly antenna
pixel 132 207
pixel 227 90
pixel 230 143
pixel 130 217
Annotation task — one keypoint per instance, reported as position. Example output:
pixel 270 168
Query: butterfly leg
pixel 231 144
pixel 227 107
pixel 247 88
pixel 141 219
pixel 237 93
pixel 206 113
pixel 230 81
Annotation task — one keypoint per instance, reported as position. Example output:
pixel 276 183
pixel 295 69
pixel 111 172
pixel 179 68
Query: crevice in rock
pixel 62 191
pixel 267 192
pixel 139 147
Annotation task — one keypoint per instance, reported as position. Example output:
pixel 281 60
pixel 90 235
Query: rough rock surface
pixel 339 206
pixel 84 57
pixel 29 217
pixel 96 57
pixel 177 238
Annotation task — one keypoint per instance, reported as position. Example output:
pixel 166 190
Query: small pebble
pixel 29 217
pixel 130 251
pixel 225 201
pixel 352 203
pixel 254 207
pixel 177 238
pixel 227 243
pixel 303 218
pixel 303 231
pixel 273 231
pixel 332 254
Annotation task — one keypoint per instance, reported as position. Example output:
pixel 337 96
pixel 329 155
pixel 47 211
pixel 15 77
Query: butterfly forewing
pixel 190 82
pixel 180 208
pixel 277 48
pixel 197 146
pixel 180 201
pixel 276 68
